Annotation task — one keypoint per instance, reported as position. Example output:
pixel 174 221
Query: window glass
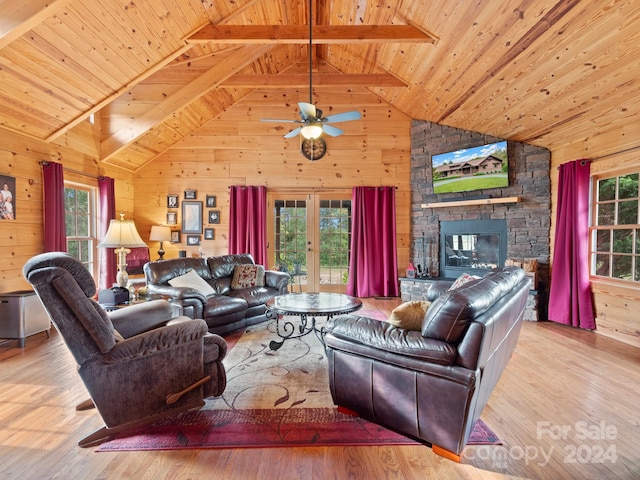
pixel 80 217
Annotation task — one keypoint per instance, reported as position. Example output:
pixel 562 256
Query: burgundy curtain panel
pixel 248 222
pixel 55 234
pixel 570 300
pixel 107 205
pixel 373 269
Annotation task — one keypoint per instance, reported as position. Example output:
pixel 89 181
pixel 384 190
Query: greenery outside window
pixel 615 231
pixel 80 222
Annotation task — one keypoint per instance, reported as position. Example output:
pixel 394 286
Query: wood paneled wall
pixel 20 157
pixel 237 149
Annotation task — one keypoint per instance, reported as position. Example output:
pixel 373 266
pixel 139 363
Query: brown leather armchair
pixel 138 363
pixel 431 384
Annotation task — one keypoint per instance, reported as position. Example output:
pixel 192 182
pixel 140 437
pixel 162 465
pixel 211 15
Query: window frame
pixel 594 228
pixel 93 261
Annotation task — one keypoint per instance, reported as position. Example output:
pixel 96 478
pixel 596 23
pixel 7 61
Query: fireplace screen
pixel 473 251
pixel 472 246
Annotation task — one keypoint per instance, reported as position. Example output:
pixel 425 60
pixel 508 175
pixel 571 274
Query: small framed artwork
pixel 211 201
pixel 172 201
pixel 214 216
pixel 172 218
pixel 193 240
pixel 175 236
pixel 208 233
pixel 7 199
pixel 189 194
pixel 191 217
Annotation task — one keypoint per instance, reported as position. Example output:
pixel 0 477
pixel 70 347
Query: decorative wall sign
pixel 191 217
pixel 7 198
pixel 189 194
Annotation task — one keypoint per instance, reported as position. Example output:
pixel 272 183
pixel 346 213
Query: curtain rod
pixel 630 149
pixel 70 170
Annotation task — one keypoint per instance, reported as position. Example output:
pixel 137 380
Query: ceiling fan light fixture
pixel 311 132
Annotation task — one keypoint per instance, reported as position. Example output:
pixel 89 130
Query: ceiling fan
pixel 313 124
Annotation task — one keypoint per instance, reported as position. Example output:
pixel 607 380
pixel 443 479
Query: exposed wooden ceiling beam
pixel 322 34
pixel 18 18
pixel 319 79
pixel 231 63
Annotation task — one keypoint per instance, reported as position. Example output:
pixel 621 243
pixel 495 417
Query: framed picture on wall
pixel 172 201
pixel 214 216
pixel 211 201
pixel 208 233
pixel 189 194
pixel 7 198
pixel 175 236
pixel 172 218
pixel 191 217
pixel 193 240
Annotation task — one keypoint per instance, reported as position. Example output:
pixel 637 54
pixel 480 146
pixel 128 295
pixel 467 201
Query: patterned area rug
pixel 273 399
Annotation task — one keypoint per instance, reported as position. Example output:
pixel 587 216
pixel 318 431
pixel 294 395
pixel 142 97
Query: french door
pixel 309 237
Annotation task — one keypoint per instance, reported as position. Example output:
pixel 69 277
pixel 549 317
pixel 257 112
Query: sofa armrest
pixel 277 280
pixel 141 317
pixel 176 293
pixel 157 341
pixel 384 337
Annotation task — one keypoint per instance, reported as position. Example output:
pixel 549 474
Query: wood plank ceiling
pixel 546 72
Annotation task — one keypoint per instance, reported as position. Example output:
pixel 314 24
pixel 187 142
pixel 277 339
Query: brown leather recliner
pixel 139 363
pixel 430 384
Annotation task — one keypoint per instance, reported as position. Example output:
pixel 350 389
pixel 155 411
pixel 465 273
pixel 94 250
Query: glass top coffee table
pixel 306 306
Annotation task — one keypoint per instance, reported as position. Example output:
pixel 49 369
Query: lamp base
pixel 122 277
pixel 161 252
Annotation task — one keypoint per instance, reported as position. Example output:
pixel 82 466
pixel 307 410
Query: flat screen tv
pixel 467 169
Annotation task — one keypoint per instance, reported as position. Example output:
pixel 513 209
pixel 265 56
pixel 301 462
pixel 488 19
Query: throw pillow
pixel 409 315
pixel 461 280
pixel 247 276
pixel 193 280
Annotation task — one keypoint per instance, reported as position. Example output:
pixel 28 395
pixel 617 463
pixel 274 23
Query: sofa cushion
pixel 461 280
pixel 193 280
pixel 247 276
pixel 409 315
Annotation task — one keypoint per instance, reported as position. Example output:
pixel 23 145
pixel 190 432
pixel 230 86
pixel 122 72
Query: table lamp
pixel 121 235
pixel 160 234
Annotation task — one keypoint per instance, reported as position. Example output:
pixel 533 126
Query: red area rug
pixel 297 427
pixel 272 399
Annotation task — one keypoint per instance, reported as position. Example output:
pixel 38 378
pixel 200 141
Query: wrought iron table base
pixel 288 329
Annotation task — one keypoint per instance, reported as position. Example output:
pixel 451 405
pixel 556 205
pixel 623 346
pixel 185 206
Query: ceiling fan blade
pixel 307 110
pixel 293 133
pixel 343 117
pixel 278 120
pixel 331 131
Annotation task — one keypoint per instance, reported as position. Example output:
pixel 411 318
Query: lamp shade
pixel 311 131
pixel 122 233
pixel 160 233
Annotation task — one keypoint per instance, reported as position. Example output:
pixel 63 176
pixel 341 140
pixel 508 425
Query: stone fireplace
pixel 524 231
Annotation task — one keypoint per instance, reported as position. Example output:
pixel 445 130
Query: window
pixel 80 221
pixel 615 234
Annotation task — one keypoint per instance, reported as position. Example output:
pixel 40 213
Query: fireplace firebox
pixel 472 246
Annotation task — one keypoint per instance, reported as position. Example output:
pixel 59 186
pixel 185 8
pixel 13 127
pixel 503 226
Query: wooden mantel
pixel 477 201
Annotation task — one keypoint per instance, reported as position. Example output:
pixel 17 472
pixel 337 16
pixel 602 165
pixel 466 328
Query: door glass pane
pixel 335 239
pixel 606 189
pixel 606 213
pixel 290 218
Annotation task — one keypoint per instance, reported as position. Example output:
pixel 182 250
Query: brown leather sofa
pixel 225 310
pixel 430 384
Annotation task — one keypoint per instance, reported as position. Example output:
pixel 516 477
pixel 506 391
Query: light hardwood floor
pixel 560 386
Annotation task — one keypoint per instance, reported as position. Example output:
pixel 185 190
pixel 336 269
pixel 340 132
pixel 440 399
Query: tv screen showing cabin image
pixel 467 169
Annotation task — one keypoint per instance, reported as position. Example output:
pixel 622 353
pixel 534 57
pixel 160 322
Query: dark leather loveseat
pixel 430 384
pixel 225 309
